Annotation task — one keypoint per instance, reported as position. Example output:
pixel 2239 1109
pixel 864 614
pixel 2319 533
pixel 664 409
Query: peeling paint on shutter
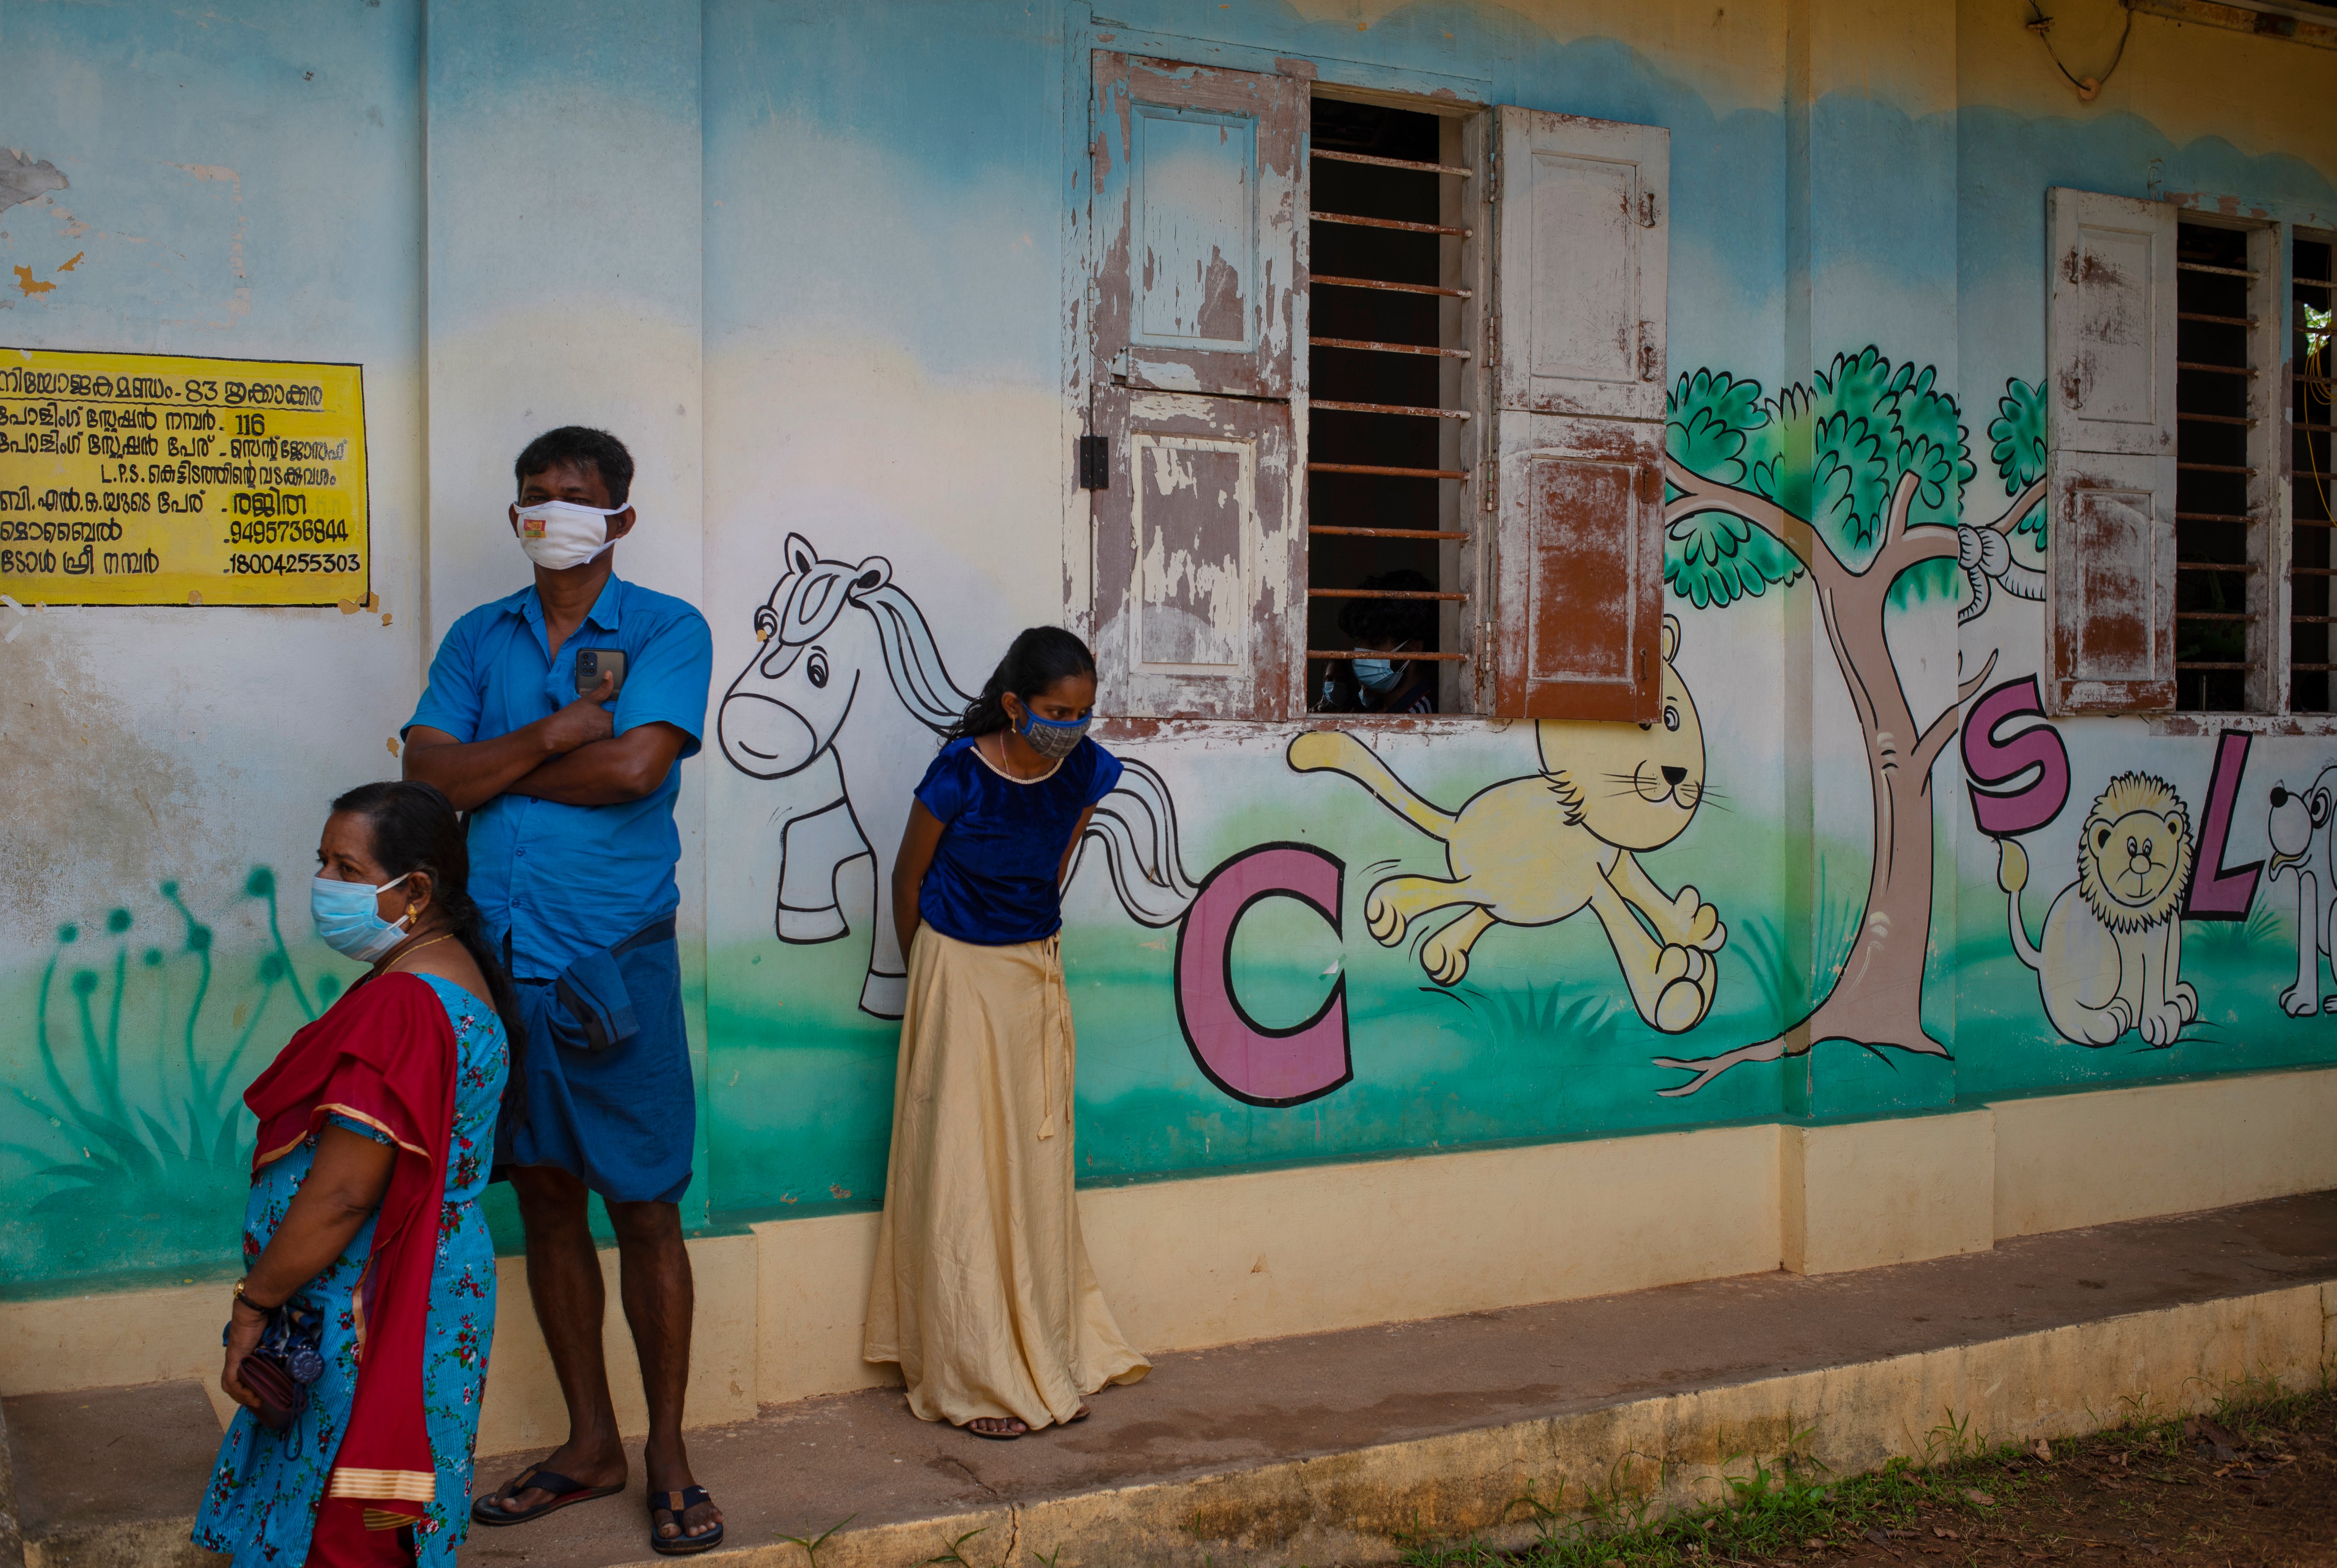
pixel 1580 227
pixel 2113 569
pixel 1581 260
pixel 1198 300
pixel 1578 569
pixel 2111 429
pixel 2112 321
pixel 1196 180
pixel 1194 538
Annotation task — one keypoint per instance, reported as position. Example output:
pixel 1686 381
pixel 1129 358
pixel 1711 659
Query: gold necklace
pixel 1006 765
pixel 391 968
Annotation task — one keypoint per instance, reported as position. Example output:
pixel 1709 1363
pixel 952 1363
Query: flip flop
pixel 971 1430
pixel 564 1494
pixel 675 1506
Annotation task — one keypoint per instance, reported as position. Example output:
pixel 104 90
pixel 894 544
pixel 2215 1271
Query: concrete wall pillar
pixel 565 262
pixel 1871 259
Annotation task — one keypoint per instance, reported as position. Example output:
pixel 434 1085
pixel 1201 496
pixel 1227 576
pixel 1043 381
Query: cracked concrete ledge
pixel 1359 1506
pixel 148 1543
pixel 1319 1503
pixel 12 1533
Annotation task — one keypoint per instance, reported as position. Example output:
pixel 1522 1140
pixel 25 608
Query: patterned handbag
pixel 288 1358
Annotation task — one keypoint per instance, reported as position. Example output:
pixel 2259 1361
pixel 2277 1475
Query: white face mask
pixel 559 534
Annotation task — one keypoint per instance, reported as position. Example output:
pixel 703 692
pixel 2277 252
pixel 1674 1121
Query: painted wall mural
pixel 1534 851
pixel 1856 479
pixel 878 671
pixel 2110 958
pixel 1287 944
pixel 126 1086
pixel 817 669
pixel 2297 821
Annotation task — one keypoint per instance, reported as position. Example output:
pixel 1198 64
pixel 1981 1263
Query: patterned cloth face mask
pixel 559 534
pixel 1053 738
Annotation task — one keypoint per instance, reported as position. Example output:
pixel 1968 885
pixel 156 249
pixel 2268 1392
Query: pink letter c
pixel 1255 1064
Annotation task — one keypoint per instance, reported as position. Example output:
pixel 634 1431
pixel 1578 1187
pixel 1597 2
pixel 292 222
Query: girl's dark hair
pixel 1035 660
pixel 414 829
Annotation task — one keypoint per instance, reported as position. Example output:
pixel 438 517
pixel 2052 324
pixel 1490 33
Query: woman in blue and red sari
pixel 377 1125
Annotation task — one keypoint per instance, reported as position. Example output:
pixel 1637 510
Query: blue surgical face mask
pixel 348 920
pixel 1054 738
pixel 1378 673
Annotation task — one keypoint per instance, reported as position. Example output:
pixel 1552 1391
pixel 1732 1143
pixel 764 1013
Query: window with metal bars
pixel 1390 239
pixel 2188 576
pixel 1393 359
pixel 2313 421
pixel 2220 643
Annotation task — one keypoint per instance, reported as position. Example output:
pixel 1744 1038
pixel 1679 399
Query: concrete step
pixel 1331 1448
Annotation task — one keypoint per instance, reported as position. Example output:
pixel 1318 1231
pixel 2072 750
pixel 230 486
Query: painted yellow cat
pixel 1530 851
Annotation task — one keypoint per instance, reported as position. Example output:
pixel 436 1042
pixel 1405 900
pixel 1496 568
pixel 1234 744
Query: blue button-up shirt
pixel 563 881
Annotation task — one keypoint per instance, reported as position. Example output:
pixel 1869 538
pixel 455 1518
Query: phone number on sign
pixel 292 562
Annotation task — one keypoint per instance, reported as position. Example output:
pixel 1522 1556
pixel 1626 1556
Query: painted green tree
pixel 1855 481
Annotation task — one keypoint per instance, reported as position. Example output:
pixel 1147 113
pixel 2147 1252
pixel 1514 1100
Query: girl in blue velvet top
pixel 982 1293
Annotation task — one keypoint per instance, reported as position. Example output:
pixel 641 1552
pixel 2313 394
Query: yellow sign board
pixel 159 479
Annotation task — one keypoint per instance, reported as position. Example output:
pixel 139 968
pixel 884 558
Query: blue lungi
pixel 623 1119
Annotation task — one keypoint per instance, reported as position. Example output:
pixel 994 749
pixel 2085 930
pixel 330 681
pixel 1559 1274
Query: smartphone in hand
pixel 593 663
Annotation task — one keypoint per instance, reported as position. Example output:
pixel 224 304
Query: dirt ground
pixel 2260 1491
pixel 2253 1486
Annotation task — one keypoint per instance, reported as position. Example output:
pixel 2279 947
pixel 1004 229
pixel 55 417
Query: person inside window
pixel 1386 681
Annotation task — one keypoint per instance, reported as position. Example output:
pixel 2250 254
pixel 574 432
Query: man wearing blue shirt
pixel 570 785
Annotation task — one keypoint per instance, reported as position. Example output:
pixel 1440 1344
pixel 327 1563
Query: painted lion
pixel 1532 850
pixel 2112 955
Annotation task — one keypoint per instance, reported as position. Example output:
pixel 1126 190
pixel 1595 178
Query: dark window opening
pixel 1381 463
pixel 2214 519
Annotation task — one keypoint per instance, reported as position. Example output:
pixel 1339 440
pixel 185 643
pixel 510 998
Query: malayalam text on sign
pixel 160 479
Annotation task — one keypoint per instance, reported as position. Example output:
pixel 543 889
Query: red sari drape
pixel 384 1055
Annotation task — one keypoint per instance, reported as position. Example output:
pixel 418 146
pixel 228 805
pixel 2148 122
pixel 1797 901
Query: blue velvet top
pixel 993 879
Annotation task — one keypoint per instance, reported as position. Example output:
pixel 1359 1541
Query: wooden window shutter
pixel 1197 185
pixel 1581 213
pixel 1199 303
pixel 2110 422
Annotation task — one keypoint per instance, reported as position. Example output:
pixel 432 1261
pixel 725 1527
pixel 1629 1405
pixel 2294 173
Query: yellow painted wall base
pixel 1219 1258
pixel 2094 1159
pixel 1864 1193
pixel 70 1342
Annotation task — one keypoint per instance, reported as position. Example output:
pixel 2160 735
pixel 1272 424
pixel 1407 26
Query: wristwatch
pixel 246 1300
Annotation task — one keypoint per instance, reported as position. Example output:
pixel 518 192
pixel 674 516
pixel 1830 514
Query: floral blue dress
pixel 261 1504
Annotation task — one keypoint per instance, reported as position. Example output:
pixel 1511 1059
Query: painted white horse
pixel 870 686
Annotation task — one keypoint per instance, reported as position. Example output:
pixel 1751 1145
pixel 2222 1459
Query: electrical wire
pixel 2317 333
pixel 2088 87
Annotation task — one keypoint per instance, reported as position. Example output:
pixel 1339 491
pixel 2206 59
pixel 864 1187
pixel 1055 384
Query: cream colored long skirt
pixel 982 1292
